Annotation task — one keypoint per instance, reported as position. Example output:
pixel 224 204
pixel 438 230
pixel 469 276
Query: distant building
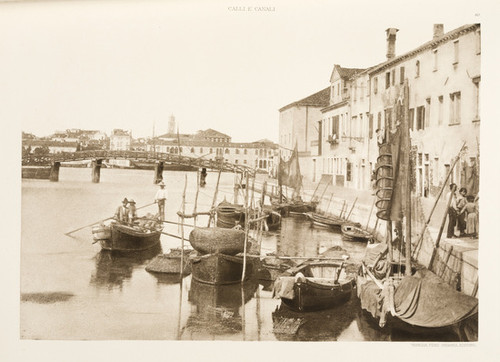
pixel 120 140
pixel 213 145
pixel 298 126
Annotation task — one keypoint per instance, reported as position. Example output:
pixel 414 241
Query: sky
pixel 131 64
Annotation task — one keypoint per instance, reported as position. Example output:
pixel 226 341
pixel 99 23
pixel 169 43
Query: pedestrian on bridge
pixel 160 198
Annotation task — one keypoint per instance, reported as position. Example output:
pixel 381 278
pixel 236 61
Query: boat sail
pixel 390 285
pixel 289 175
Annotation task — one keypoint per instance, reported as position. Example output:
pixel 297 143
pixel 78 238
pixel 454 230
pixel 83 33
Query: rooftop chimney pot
pixel 391 42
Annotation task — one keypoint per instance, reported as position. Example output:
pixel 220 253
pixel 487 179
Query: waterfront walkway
pixel 463 250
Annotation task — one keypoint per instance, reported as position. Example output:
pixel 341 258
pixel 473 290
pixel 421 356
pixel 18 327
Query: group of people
pixel 126 213
pixel 462 213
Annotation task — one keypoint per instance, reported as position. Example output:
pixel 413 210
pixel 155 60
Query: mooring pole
pixel 96 170
pixel 54 172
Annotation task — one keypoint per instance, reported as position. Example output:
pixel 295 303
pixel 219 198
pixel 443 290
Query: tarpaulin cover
pixel 426 300
pixel 422 300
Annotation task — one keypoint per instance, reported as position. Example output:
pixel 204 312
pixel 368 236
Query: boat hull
pixel 126 239
pixel 217 240
pixel 354 233
pixel 218 269
pixel 311 296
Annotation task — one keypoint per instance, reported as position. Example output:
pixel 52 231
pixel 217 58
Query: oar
pixel 99 221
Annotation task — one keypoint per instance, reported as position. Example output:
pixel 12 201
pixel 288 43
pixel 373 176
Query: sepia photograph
pixel 187 178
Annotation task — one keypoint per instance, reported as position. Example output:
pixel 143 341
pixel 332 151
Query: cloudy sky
pixel 130 64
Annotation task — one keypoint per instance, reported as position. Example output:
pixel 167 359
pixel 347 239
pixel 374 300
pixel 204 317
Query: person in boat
pixel 121 214
pixel 132 212
pixel 203 176
pixel 452 211
pixel 160 199
pixel 461 202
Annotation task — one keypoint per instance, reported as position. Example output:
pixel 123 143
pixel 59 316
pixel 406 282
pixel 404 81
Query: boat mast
pixel 406 179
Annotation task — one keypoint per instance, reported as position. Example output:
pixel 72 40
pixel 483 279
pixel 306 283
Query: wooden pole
pixel 328 205
pixel 316 189
pixel 196 197
pixel 99 221
pixel 352 208
pixel 342 209
pixel 438 197
pixel 182 224
pixel 215 198
pixel 442 226
pixel 370 215
pixel 246 232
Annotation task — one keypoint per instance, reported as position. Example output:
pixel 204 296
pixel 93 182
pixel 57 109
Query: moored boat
pixel 171 262
pixel 355 233
pixel 314 286
pixel 125 238
pixel 219 268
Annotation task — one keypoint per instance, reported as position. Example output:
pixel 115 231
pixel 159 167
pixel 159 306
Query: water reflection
pixel 112 269
pixel 217 307
pixel 326 325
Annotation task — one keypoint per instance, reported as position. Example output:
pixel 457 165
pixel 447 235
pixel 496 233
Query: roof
pixel 210 133
pixel 210 144
pixel 347 73
pixel 318 99
pixel 453 34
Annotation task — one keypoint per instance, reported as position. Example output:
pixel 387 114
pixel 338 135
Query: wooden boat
pixel 355 233
pixel 219 268
pixel 314 286
pixel 217 240
pixel 125 238
pixel 171 263
pixel 230 215
pixel 413 296
pixel 295 207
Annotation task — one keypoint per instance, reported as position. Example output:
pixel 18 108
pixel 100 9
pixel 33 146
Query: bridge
pixel 158 159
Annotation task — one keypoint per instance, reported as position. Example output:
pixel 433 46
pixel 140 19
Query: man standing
pixel 452 211
pixel 461 202
pixel 160 198
pixel 121 214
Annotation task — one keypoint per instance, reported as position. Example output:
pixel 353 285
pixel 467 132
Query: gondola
pixel 356 233
pixel 314 286
pixel 125 238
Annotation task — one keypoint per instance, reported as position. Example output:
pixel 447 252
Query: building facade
pixel 444 81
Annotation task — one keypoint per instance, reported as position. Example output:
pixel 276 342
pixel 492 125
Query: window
pixel 211 151
pixel 387 80
pixel 245 151
pixel 412 118
pixel 256 152
pixel 236 161
pixel 192 149
pixel 393 76
pixel 245 162
pixel 417 69
pixel 476 82
pixel 420 118
pixel 440 110
pixel 368 88
pixel 427 112
pixel 388 118
pixel 401 75
pixel 455 108
pixel 375 85
pixel 348 171
pixel 435 56
pixel 335 127
pixel 201 149
pixel 455 52
pixel 338 90
pixel 379 120
pixel 370 126
pixel 237 151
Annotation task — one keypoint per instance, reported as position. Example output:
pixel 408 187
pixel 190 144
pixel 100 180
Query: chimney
pixel 438 31
pixel 391 42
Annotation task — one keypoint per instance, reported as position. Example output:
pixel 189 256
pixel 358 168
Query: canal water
pixel 71 290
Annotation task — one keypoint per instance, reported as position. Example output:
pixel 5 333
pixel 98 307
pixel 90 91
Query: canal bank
pixel 456 259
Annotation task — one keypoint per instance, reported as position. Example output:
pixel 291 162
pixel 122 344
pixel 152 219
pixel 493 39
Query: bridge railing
pixel 217 164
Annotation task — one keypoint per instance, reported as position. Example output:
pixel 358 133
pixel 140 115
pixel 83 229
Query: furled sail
pixel 289 172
